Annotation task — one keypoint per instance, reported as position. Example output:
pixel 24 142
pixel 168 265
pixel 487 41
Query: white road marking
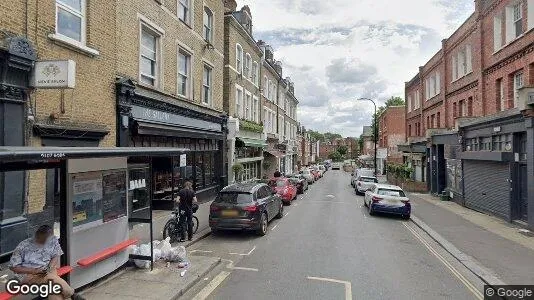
pixel 203 251
pixel 244 254
pixel 207 290
pixel 274 227
pixel 245 269
pixel 348 286
pixel 453 270
pixel 328 201
pixel 286 214
pixel 330 196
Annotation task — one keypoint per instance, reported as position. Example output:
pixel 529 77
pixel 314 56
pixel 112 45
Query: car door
pixel 268 199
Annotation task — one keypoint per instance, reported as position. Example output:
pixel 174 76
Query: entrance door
pixel 521 205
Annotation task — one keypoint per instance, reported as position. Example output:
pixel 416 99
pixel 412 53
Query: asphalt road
pixel 328 247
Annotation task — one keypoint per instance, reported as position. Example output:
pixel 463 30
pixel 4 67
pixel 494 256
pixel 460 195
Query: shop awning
pixel 253 142
pixel 149 128
pixel 275 153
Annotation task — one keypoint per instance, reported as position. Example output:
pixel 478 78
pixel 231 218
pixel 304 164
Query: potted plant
pixel 238 170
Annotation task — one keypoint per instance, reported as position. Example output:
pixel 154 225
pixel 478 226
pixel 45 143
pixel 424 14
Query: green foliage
pixel 331 136
pixel 395 101
pixel 238 169
pixel 342 150
pixel 401 171
pixel 250 126
pixel 360 143
pixel 335 156
pixel 316 136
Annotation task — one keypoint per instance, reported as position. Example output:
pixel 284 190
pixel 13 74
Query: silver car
pixel 360 172
pixel 307 174
pixel 363 183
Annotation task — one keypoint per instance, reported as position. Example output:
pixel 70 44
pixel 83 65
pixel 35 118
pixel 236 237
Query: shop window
pixel 522 143
pixel 502 142
pixel 485 144
pixel 471 144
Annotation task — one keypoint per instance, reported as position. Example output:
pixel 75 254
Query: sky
pixel 337 51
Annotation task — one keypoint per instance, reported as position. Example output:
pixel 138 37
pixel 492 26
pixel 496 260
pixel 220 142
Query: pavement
pixel 496 245
pixel 328 247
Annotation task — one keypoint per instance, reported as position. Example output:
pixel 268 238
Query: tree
pixel 342 150
pixel 331 136
pixel 395 101
pixel 316 136
pixel 335 156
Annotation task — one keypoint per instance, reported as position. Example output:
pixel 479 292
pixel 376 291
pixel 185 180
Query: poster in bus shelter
pixel 86 200
pixel 114 195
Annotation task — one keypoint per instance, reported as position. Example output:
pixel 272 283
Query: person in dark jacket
pixel 277 174
pixel 186 198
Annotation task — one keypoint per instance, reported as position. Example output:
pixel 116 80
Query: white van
pixel 361 172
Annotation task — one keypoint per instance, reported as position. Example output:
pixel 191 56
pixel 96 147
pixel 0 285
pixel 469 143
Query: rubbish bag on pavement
pixel 164 247
pixel 177 254
pixel 144 249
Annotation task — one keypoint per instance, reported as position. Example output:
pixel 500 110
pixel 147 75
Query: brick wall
pixel 407 185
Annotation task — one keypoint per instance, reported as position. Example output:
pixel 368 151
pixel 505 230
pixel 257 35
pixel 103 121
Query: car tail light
pixel 359 184
pixel 251 208
pixel 376 199
pixel 214 208
pixel 405 201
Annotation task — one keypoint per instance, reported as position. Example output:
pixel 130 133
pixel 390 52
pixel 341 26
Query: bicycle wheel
pixel 195 224
pixel 172 230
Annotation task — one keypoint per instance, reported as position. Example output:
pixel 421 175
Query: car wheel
pixel 263 225
pixel 365 203
pixel 280 214
pixel 371 212
pixel 406 217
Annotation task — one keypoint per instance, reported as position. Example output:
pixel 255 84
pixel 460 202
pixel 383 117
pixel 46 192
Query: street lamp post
pixel 375 130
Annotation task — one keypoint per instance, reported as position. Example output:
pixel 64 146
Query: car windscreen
pixel 233 198
pixel 368 179
pixel 281 183
pixel 391 192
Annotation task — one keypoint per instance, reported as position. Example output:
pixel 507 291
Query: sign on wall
pixel 54 74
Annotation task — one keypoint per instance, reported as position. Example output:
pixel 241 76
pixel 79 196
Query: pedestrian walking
pixel 186 198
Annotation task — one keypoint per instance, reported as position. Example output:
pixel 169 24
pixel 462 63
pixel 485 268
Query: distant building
pixel 392 132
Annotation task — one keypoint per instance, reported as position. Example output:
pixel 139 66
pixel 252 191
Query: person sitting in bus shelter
pixel 36 260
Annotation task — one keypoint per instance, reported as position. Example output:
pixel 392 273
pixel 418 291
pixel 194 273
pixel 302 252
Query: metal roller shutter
pixel 487 187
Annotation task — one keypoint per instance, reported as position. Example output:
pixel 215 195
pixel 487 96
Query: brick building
pixel 473 121
pixel 30 38
pixel 242 99
pixel 391 132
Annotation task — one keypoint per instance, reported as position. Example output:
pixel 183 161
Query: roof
pixel 14 154
pixel 388 186
pixel 245 187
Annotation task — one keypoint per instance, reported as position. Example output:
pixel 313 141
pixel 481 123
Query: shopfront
pixel 147 119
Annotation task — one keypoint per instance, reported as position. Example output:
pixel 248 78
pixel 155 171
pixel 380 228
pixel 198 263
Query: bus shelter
pixel 98 195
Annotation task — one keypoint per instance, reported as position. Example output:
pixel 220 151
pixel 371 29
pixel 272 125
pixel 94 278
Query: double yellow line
pixel 453 270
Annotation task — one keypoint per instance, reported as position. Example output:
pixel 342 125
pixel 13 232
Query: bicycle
pixel 173 228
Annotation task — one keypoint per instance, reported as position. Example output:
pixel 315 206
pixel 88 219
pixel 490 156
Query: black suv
pixel 245 206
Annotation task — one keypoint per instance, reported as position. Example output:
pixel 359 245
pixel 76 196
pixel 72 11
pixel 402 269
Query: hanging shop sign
pixel 54 74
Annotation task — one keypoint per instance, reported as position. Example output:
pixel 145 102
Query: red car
pixel 284 188
pixel 316 174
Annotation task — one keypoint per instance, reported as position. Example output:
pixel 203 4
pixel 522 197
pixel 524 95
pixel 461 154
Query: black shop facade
pixel 146 118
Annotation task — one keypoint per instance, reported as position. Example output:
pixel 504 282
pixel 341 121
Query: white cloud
pixel 338 50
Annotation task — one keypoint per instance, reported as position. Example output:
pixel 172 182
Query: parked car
pixel 387 199
pixel 306 173
pixel 322 168
pixel 315 173
pixel 363 183
pixel 336 166
pixel 284 188
pixel 360 172
pixel 299 181
pixel 245 206
pixel 316 169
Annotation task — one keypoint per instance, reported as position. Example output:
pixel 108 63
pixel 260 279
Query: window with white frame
pixel 184 73
pixel 518 19
pixel 206 85
pixel 409 103
pixel 71 19
pixel 497 31
pixel 432 86
pixel 239 58
pixel 499 87
pixel 518 83
pixel 255 73
pixel 265 88
pixel 247 66
pixel 462 62
pixel 208 24
pixel 270 90
pixel 184 11
pixel 265 117
pixel 248 106
pixel 281 125
pixel 417 99
pixel 255 109
pixel 149 56
pixel 239 102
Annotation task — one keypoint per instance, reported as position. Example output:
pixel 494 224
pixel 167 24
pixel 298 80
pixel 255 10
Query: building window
pixel 438 120
pixel 255 73
pixel 409 103
pixel 432 121
pixel 454 110
pixel 265 88
pixel 501 100
pixel 149 56
pixel 270 90
pixel 255 109
pixel 461 108
pixel 432 85
pixel 471 144
pixel 410 130
pixel 183 10
pixel 427 122
pixel 518 19
pixel 502 143
pixel 184 73
pixel 239 102
pixel 70 19
pixel 470 106
pixel 247 66
pixel 462 63
pixel 248 104
pixel 208 25
pixel 485 143
pixel 206 85
pixel 518 83
pixel 239 58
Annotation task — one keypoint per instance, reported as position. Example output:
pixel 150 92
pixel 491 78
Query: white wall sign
pixel 54 74
pixel 183 160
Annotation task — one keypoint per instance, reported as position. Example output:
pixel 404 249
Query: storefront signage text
pixel 52 155
pixel 54 74
pixel 156 115
pixel 143 113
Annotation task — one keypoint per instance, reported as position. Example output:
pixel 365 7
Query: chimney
pixel 278 67
pixel 230 5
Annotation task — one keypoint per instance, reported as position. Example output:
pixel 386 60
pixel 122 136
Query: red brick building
pixel 391 132
pixel 468 112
